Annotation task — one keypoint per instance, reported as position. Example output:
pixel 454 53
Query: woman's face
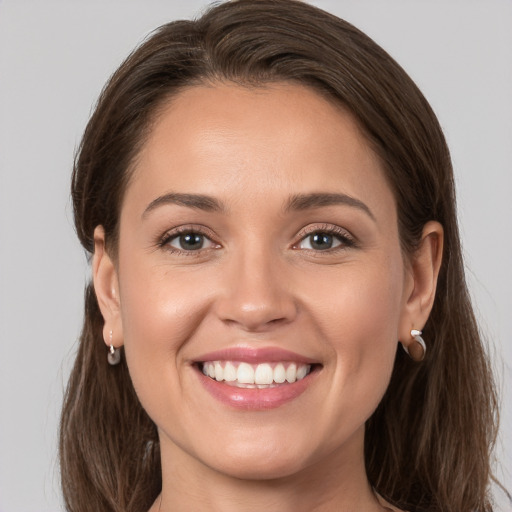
pixel 259 245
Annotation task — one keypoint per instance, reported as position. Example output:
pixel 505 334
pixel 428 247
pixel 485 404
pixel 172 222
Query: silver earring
pixel 417 337
pixel 114 354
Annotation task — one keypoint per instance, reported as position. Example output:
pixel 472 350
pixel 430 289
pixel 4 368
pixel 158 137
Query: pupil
pixel 191 241
pixel 321 241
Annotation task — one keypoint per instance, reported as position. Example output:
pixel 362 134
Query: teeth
pixel 279 374
pixel 263 374
pixel 229 372
pixel 219 371
pixel 245 374
pixel 302 371
pixel 258 375
pixel 291 373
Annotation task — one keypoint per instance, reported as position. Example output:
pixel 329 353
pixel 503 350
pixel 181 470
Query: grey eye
pixel 320 241
pixel 190 242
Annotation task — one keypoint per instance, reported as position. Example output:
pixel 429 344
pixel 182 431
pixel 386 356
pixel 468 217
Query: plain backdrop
pixel 55 57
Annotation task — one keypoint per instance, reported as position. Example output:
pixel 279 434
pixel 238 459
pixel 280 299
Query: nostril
pixel 254 302
pixel 255 319
pixel 256 324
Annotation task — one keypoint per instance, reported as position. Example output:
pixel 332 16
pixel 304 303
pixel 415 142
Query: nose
pixel 256 294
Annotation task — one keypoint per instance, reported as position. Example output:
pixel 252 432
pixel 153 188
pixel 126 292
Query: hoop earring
pixel 417 337
pixel 114 354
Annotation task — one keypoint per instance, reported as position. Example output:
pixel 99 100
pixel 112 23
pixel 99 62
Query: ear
pixel 106 286
pixel 420 287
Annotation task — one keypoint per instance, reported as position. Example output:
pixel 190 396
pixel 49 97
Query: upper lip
pixel 255 355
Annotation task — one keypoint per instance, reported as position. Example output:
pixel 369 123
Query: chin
pixel 266 460
pixel 257 468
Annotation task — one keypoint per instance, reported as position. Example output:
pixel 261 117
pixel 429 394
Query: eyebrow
pixel 296 202
pixel 300 202
pixel 197 201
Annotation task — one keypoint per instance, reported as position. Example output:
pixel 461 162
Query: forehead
pixel 271 141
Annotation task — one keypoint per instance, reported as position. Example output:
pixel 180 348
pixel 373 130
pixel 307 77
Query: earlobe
pixel 423 273
pixel 105 281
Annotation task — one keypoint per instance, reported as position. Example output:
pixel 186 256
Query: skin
pixel 258 282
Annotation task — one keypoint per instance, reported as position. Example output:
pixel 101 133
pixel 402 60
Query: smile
pixel 260 376
pixel 255 379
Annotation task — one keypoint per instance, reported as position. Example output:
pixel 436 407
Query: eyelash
pixel 345 238
pixel 164 241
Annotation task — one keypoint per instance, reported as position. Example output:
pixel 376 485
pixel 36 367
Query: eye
pixel 320 241
pixel 189 241
pixel 325 239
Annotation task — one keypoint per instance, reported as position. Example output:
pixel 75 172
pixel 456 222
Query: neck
pixel 335 482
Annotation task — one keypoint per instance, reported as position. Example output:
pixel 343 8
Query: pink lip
pixel 254 355
pixel 255 399
pixel 249 398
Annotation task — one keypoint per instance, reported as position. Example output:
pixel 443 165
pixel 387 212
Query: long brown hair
pixel 428 444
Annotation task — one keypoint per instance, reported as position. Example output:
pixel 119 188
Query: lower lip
pixel 255 399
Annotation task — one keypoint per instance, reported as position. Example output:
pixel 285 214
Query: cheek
pixel 160 312
pixel 359 321
pixel 358 300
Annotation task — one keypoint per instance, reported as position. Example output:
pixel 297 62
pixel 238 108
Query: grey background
pixel 54 58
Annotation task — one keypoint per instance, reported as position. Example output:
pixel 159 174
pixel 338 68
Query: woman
pixel 269 203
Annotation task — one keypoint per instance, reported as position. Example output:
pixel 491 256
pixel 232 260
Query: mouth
pixel 256 379
pixel 255 376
